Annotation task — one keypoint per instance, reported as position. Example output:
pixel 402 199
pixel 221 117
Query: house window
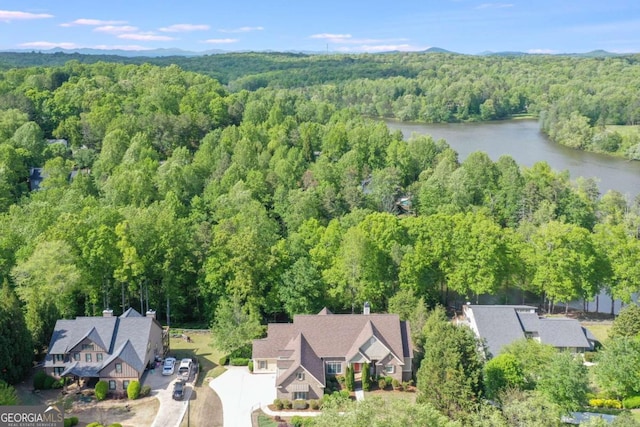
pixel 87 357
pixel 262 364
pixel 112 384
pixel 87 347
pixel 58 371
pixel 76 357
pixel 389 369
pixel 125 384
pixel 334 368
pixel 302 395
pixel 300 376
pixel 118 368
pixel 59 357
pixel 99 357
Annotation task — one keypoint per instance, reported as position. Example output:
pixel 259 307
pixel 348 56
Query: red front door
pixel 357 367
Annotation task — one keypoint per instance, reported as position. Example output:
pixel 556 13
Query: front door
pixel 357 367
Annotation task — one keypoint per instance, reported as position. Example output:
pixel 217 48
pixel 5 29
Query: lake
pixel 522 140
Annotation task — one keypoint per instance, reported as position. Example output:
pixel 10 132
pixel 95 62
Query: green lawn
pixel 266 421
pixel 599 329
pixel 200 346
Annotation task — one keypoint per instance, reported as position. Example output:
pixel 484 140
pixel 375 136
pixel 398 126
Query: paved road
pixel 171 411
pixel 241 392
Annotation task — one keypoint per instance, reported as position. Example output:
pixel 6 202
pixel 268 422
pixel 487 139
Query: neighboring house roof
pixel 499 325
pixel 36 176
pixel 125 337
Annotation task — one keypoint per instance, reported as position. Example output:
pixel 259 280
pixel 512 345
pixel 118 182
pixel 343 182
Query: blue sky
pixel 465 26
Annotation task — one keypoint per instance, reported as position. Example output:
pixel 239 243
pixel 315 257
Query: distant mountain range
pixel 154 53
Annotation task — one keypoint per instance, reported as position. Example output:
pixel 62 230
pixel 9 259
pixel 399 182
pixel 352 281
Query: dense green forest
pixel 191 197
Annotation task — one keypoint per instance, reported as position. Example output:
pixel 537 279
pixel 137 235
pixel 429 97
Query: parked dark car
pixel 178 390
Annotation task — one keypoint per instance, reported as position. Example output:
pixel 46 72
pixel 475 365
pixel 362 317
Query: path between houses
pixel 242 392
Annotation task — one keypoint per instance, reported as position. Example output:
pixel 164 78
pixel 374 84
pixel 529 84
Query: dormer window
pixel 87 347
pixel 300 376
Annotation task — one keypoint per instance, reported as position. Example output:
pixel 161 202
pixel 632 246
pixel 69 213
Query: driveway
pixel 171 411
pixel 242 392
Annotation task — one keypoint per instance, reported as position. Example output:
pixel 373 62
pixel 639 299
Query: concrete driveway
pixel 242 392
pixel 170 412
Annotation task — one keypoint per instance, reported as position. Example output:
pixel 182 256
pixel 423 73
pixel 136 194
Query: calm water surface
pixel 522 140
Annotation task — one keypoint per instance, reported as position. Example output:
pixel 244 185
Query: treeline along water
pixel 522 140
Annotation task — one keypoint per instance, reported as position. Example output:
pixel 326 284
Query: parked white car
pixel 185 369
pixel 169 366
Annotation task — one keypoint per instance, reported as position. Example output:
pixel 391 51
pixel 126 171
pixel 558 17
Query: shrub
pixel 407 384
pixel 58 383
pixel 366 379
pixel 48 382
pixel 589 356
pixel 39 379
pixel 223 360
pixel 350 379
pixel 395 383
pixel 74 421
pixel 133 390
pixel 115 425
pixel 300 404
pixel 605 403
pixel 101 390
pixel 344 394
pixel 145 391
pixel 631 402
pixel 286 403
pixel 95 424
pixel 382 383
pixel 67 422
pixel 250 365
pixel 314 404
pixel 277 403
pixel 341 379
pixel 239 361
pixel 388 379
pixel 297 421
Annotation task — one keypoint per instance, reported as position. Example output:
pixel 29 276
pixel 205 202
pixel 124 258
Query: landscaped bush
pixel 297 421
pixel 341 379
pixel 101 390
pixel 395 383
pixel 632 402
pixel 382 383
pixel 115 425
pixel 300 404
pixel 39 379
pixel 350 379
pixel 388 379
pixel 145 391
pixel 314 404
pixel 277 403
pixel 286 404
pixel 133 390
pixel 589 356
pixel 239 361
pixel 366 378
pixel 605 403
pixel 223 360
pixel 344 393
pixel 95 424
pixel 250 365
pixel 73 421
pixel 407 384
pixel 48 382
pixel 67 422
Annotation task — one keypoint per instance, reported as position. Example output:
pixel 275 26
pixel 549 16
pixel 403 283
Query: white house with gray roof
pixel 114 349
pixel 500 325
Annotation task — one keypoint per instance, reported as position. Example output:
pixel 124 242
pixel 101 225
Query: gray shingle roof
pixel 125 337
pixel 302 355
pixel 499 325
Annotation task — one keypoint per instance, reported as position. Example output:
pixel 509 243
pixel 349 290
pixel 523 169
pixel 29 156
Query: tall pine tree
pixel 16 350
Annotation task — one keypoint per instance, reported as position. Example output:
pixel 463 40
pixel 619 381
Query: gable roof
pixel 303 356
pixel 334 335
pixel 125 337
pixel 499 325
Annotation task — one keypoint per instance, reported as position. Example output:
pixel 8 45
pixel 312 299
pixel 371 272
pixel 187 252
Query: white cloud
pixel 221 41
pixel 241 30
pixel 14 15
pixel 184 28
pixel 542 51
pixel 91 22
pixel 145 37
pixel 49 45
pixel 115 29
pixel 494 5
pixel 335 38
